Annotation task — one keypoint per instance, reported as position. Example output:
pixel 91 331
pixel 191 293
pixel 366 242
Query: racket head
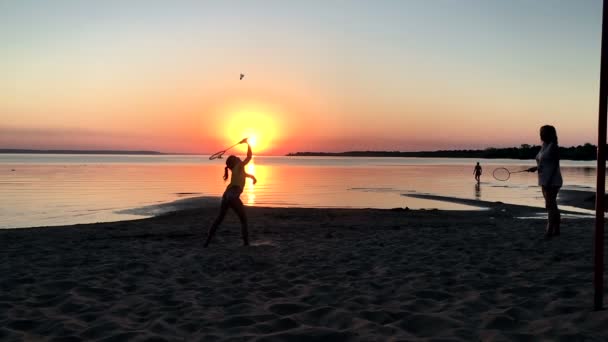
pixel 501 174
pixel 217 155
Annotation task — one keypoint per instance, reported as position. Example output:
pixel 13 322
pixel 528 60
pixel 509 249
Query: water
pixel 44 190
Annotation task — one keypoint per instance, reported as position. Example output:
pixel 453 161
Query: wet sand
pixel 580 199
pixel 311 274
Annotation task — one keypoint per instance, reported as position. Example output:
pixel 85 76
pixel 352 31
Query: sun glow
pixel 253 141
pixel 250 187
pixel 256 123
pixel 262 174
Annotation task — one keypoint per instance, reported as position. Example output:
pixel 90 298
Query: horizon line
pixel 153 152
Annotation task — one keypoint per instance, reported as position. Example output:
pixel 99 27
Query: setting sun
pixel 252 140
pixel 255 122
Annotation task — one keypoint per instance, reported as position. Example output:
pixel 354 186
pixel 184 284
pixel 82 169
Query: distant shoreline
pixel 27 151
pixel 581 152
pixel 585 152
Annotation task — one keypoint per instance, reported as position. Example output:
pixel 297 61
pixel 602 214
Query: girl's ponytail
pixel 225 173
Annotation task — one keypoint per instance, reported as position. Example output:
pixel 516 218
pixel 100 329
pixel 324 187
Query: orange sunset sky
pixel 320 75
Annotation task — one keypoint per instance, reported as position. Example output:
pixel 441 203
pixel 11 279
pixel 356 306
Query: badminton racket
pixel 218 155
pixel 503 174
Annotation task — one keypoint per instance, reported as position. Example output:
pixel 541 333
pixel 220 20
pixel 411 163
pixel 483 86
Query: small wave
pixel 178 205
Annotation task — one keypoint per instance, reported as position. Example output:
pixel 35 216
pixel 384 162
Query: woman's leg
pixel 548 228
pixel 217 222
pixel 555 215
pixel 239 208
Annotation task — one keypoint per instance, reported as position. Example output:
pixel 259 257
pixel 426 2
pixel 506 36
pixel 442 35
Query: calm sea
pixel 45 190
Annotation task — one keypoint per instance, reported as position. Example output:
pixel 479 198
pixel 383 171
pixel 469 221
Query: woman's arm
pixel 249 153
pixel 252 177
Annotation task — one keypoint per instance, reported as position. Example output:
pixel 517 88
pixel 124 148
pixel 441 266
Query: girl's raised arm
pixel 249 154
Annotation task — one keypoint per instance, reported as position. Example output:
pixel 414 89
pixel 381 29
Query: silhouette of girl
pixel 231 197
pixel 549 177
pixel 477 172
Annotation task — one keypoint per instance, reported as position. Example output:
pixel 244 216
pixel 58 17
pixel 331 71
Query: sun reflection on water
pixel 249 186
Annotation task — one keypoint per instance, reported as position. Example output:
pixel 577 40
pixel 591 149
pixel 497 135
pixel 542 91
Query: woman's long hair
pixel 548 134
pixel 230 162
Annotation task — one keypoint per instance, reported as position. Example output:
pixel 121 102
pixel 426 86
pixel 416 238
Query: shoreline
pixel 310 274
pixel 577 199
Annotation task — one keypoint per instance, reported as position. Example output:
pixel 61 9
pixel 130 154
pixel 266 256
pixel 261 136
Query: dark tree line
pixel 525 151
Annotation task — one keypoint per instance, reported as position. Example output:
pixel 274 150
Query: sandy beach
pixel 311 274
pixel 397 162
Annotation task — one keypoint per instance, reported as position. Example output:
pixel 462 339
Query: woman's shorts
pixel 231 194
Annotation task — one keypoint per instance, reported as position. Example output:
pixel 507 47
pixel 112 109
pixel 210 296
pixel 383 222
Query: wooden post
pixel 598 246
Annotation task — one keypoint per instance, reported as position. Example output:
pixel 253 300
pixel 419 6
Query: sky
pixel 319 75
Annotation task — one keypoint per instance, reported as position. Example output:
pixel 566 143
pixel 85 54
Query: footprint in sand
pixel 262 243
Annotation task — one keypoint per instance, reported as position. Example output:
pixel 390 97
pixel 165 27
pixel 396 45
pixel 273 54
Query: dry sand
pixel 311 274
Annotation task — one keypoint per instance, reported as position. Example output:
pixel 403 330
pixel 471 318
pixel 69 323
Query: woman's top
pixel 238 176
pixel 547 161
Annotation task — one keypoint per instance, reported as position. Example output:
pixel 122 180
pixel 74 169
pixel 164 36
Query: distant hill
pixel 581 152
pixel 9 150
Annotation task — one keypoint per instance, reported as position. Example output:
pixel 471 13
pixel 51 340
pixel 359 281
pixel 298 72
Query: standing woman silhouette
pixel 549 177
pixel 231 197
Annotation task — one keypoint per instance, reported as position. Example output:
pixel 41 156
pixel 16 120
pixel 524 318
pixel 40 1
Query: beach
pixel 309 275
pixel 397 162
